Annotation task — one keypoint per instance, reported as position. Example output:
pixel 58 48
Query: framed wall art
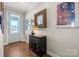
pixel 66 14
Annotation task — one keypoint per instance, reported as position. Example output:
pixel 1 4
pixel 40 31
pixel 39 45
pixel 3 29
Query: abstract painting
pixel 66 13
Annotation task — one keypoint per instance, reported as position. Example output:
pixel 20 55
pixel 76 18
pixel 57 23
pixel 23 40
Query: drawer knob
pixel 37 45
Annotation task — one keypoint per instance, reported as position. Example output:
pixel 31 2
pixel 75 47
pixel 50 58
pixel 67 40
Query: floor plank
pixel 19 49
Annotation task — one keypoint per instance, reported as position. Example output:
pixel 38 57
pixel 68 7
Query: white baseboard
pixel 21 40
pixel 52 54
pixel 27 41
pixel 5 43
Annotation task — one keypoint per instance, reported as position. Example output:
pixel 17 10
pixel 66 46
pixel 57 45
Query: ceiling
pixel 21 6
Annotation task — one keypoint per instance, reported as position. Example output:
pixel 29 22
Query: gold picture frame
pixel 41 19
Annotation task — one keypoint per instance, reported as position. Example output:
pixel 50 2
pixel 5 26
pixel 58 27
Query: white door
pixel 14 33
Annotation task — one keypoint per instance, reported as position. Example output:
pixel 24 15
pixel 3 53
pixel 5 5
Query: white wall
pixel 64 41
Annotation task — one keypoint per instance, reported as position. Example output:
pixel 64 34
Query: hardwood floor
pixel 19 49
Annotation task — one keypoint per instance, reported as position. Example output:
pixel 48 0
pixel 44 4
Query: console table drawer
pixel 38 44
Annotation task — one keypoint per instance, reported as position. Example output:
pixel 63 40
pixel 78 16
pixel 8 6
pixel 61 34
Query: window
pixel 14 23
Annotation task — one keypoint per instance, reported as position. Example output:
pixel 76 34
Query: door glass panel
pixel 14 23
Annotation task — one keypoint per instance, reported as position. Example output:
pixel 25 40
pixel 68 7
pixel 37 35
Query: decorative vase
pixel 32 33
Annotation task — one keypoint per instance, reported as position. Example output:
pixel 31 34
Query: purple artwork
pixel 66 13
